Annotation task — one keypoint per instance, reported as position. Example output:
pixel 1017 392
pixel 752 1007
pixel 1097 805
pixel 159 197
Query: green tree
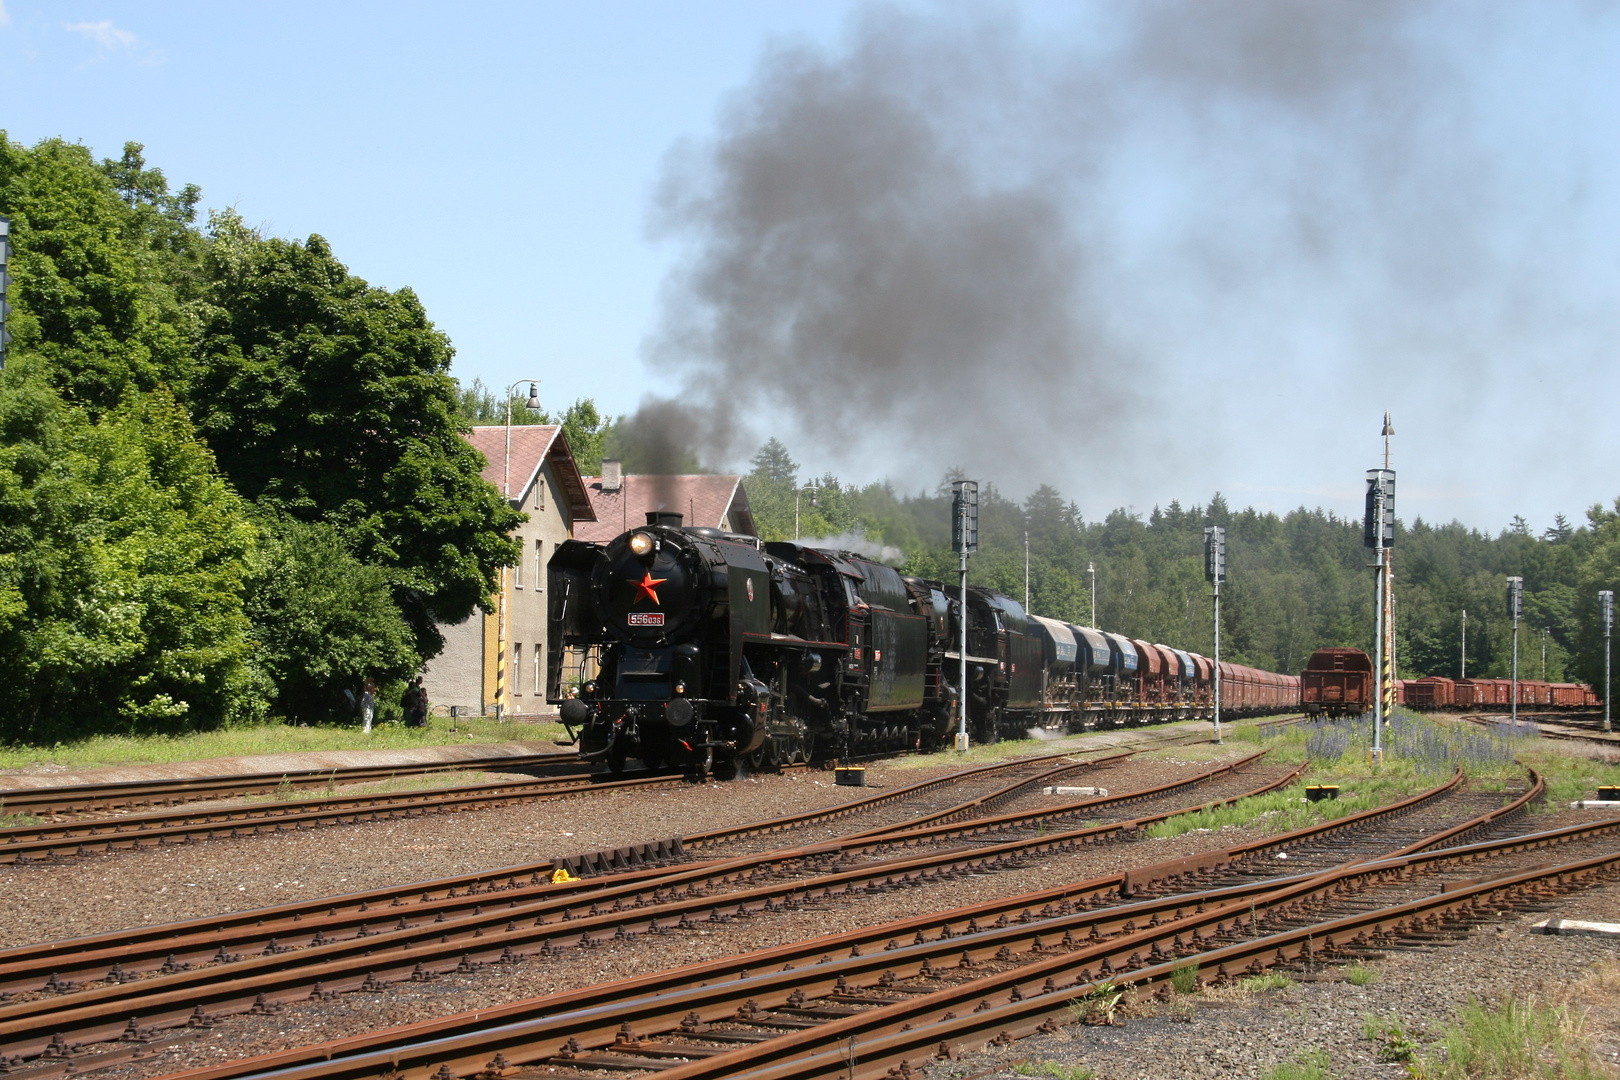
pixel 94 299
pixel 323 620
pixel 123 558
pixel 326 399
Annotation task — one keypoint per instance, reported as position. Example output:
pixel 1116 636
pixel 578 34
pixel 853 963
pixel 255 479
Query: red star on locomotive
pixel 647 586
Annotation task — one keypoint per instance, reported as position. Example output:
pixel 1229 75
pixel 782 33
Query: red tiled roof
pixel 532 446
pixel 700 499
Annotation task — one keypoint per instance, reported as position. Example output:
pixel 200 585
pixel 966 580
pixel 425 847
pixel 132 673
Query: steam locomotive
pixel 702 649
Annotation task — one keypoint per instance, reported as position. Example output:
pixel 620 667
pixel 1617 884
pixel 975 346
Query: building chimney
pixel 612 479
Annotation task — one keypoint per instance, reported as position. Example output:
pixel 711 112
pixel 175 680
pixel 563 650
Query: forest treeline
pixel 1296 582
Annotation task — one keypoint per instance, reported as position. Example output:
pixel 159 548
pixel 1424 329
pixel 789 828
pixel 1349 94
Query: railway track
pixel 278 930
pixel 104 836
pixel 503 925
pixel 129 832
pixel 84 798
pixel 1012 965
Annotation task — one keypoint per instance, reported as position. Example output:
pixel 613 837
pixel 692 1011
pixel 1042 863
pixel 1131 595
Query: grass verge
pixel 101 750
pixel 1310 1065
pixel 1527 1037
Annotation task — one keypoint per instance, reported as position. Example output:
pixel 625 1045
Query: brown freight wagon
pixel 1337 682
pixel 1434 692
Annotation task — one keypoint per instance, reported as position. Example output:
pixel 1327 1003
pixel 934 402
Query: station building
pixel 545 483
pixel 542 481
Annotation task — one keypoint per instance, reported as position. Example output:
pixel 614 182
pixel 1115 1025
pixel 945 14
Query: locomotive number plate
pixel 647 618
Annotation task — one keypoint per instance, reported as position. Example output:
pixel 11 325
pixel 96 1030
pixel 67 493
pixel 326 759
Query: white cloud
pixel 103 33
pixel 5 16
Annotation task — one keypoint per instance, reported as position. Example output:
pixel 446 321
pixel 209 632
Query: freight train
pixel 703 650
pixel 1339 682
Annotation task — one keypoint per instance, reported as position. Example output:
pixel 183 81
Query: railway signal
pixel 965 539
pixel 1606 605
pixel 1378 535
pixel 5 282
pixel 1515 599
pixel 1215 572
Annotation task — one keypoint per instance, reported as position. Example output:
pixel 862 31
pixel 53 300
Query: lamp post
pixel 1464 674
pixel 1091 568
pixel 506 493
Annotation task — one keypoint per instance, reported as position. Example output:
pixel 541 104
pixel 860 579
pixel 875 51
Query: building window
pixel 540 491
pixel 539 673
pixel 517 572
pixel 539 564
pixel 517 669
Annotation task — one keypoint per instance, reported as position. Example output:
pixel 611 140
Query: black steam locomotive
pixel 701 649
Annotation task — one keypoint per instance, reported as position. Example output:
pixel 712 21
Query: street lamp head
pixel 534 397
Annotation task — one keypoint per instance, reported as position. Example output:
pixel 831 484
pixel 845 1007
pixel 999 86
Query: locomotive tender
pixel 702 649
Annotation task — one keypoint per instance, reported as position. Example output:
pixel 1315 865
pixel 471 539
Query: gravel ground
pixel 1236 1033
pixel 43 901
pixel 310 1023
pixel 96 894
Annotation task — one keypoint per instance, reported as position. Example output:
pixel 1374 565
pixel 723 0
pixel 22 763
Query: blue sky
pixel 1265 273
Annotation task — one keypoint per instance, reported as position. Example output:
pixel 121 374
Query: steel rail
pixel 895 1042
pixel 284 926
pixel 79 798
pixel 26 1027
pixel 97 836
pixel 464 1044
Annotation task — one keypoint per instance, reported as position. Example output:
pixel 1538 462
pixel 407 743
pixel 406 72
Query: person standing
pixel 368 704
pixel 408 701
pixel 421 703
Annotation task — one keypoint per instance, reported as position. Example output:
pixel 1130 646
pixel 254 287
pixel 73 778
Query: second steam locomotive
pixel 702 649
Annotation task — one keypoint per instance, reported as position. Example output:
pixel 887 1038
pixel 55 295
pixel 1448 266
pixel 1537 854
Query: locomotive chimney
pixel 612 478
pixel 671 518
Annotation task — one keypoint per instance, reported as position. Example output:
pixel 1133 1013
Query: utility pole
pixel 1515 609
pixel 1215 571
pixel 1378 536
pixel 1091 568
pixel 1464 674
pixel 1606 604
pixel 965 538
pixel 1545 630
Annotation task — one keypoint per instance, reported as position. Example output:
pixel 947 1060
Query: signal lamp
pixel 641 544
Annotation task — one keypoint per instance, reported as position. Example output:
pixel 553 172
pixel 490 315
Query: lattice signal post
pixel 965 539
pixel 1515 602
pixel 1606 608
pixel 1378 536
pixel 1215 571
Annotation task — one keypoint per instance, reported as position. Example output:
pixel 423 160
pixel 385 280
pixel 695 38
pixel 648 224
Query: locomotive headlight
pixel 641 544
pixel 590 687
pixel 680 686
